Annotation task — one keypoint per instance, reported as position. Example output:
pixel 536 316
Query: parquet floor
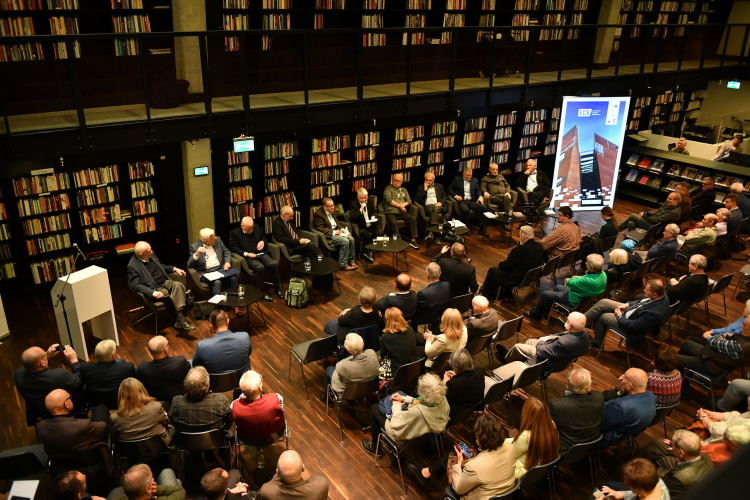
pixel 316 436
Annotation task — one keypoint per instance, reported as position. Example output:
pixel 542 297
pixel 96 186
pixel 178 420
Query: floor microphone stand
pixel 61 298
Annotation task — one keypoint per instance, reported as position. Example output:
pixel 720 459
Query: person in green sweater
pixel 669 212
pixel 138 484
pixel 575 289
pixel 610 227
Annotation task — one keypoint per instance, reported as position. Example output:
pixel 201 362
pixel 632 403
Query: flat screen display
pixel 244 144
pixel 199 171
pixel 588 151
pixel 733 85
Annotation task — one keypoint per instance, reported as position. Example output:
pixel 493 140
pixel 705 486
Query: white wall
pixel 740 14
pixel 722 103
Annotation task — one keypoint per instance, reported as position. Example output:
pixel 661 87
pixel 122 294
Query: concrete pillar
pixel 199 191
pixel 189 15
pixel 609 14
pixel 740 14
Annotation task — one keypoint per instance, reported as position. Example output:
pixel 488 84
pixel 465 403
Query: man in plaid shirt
pixel 565 237
pixel 713 355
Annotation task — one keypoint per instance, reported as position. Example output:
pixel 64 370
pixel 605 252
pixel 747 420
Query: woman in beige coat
pixel 453 336
pixel 138 415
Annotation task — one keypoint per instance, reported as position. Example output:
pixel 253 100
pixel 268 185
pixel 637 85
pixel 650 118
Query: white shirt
pixel 211 259
pixel 366 215
pixel 467 190
pixel 531 182
pixel 627 314
pixel 431 196
pixel 332 221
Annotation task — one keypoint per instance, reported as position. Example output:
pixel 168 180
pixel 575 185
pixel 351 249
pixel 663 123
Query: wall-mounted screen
pixel 244 144
pixel 588 151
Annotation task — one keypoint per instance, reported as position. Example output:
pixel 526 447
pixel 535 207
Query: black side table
pixel 252 295
pixel 394 247
pixel 510 220
pixel 321 267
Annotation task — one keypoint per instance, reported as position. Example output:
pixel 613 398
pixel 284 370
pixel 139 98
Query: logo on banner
pixel 584 112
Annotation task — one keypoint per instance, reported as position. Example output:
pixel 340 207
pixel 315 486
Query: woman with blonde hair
pixel 453 336
pixel 723 215
pixel 399 340
pixel 537 441
pixel 615 269
pixel 138 415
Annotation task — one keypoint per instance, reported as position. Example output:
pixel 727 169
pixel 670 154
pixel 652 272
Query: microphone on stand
pixel 80 252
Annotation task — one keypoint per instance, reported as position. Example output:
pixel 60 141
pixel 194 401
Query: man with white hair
pixel 395 201
pixel 744 204
pixel 432 197
pixel 534 182
pixel 103 378
pixel 508 274
pixel 434 297
pixel 325 222
pixel 692 286
pixel 361 366
pixel 555 349
pixel 484 320
pixel 147 275
pixel 250 242
pixel 257 414
pixel 631 414
pixel 294 481
pixel 163 376
pixel 285 232
pixel 208 255
pixel 364 214
pixel 668 245
pixel 681 148
pixel 578 414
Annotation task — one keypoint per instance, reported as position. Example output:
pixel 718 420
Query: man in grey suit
pixel 209 254
pixel 484 320
pixel 147 275
pixel 578 415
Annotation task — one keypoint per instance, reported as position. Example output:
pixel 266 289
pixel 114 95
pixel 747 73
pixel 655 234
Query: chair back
pixel 426 317
pixel 223 382
pixel 672 308
pixel 578 452
pixel 370 334
pixel 536 474
pixel 561 365
pixel 497 391
pixel 408 372
pixel 608 243
pixel 79 461
pixel 461 302
pixel 683 306
pixel 442 361
pixel 197 280
pixel 720 285
pixel 201 441
pixel 167 393
pixel 19 463
pixel 662 412
pixel 531 374
pixel 586 303
pixel 139 449
pixel 479 344
pixel 642 271
pixel 329 246
pixel 462 416
pixel 624 280
pixel 650 234
pixel 661 264
pixel 357 390
pixel 321 349
pixel 567 259
pixel 509 329
pixel 744 226
pixel 530 278
pixel 549 267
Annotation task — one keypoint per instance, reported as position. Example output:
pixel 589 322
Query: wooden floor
pixel 314 435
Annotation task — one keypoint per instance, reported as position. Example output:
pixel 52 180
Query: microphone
pixel 80 252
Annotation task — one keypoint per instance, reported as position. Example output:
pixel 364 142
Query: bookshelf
pixel 407 148
pixel 272 202
pixel 473 143
pixel 7 265
pixel 372 17
pixel 442 139
pixel 240 185
pixel 364 167
pixel 502 134
pixel 326 163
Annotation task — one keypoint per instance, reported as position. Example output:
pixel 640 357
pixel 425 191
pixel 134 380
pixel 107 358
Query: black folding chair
pixel 441 362
pixel 548 269
pixel 186 442
pixel 398 449
pixel 406 374
pixel 479 344
pixel 623 338
pixel 354 391
pixel 715 379
pixel 225 382
pixel 137 451
pixel 566 260
pixel 718 286
pixel 506 330
pixel 528 280
pixel 608 244
pixel 461 302
pixel 578 452
pixel 25 461
pixel 560 366
pixel 309 352
pixel 496 391
pixel 662 412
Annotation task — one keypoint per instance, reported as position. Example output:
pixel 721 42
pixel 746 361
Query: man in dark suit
pixel 702 200
pixel 218 484
pixel 508 274
pixel 577 415
pixel 325 222
pixel 469 197
pixel 461 276
pixel 103 378
pixel 631 414
pixel 248 240
pixel 362 210
pixel 434 297
pixel 404 298
pixel 484 320
pixel 163 376
pixel 226 351
pixel 535 183
pixel 692 286
pixel 635 318
pixel 432 197
pixel 147 275
pixel 286 234
pixel 209 254
pixel 35 380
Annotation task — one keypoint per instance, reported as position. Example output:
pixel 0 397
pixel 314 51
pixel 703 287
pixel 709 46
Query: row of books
pixel 143 207
pixel 367 139
pixel 237 158
pixel 473 138
pixel 472 151
pixel 442 142
pixel 325 191
pixel 39 184
pixel 35 246
pixel 443 128
pixel 506 119
pixel 136 23
pixel 43 204
pixel 21 4
pixel 96 175
pixel 43 225
pixel 99 215
pixel 241 194
pixel 373 40
pixel 500 159
pixel 409 133
pixel 3 213
pixel 21 52
pixel 268 221
pixel 406 148
pixel 503 133
pixel 274 202
pixel 533 128
pixel 372 21
pixel 326 176
pixel 281 150
pixel 276 168
pixel 5 252
pixel 237 212
pixel 437 169
pixel 475 123
pixel 7 270
pixel 406 162
pixel 139 189
pixel 471 163
pixel 242 173
pixel 116 4
pixel 145 225
pixel 4 232
pixel 51 269
pixel 500 146
pixel 436 157
pixel 528 141
pixel 364 154
pixel 367 183
pixel 16 26
pixel 331 143
pixel 125 248
pixel 644 178
pixel 363 169
pixel 326 160
pixel 535 115
pixel 406 175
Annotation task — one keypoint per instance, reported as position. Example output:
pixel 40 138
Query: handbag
pixel 453 460
pixel 385 369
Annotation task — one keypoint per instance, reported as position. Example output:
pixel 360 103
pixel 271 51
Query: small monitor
pixel 244 144
pixel 733 84
pixel 200 171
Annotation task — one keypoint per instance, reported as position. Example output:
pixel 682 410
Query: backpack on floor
pixel 296 295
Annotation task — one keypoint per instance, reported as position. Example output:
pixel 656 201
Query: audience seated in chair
pixel 359 367
pixel 731 202
pixel 712 355
pixel 703 199
pixel 72 485
pixel 704 234
pixel 496 190
pixel 634 260
pixel 665 379
pixel 404 298
pixel 577 415
pixel 411 417
pixel 257 414
pixel 683 189
pixel 201 410
pixel 138 484
pixel 743 203
pixel 634 319
pixel 736 435
pixel 465 382
pixel 610 227
pixel 668 245
pixel 362 210
pixel 285 232
pixel 218 484
pixel 630 414
pixel 138 415
pixel 434 297
pixel 395 200
pixel 490 473
pixel 640 480
pixel 453 336
pixel 565 238
pixel 484 321
pixel 324 221
pixel 431 195
pixel 103 378
pixel 293 481
pixel 555 348
pixel 692 286
pixel 209 254
pixel 468 196
pixel 147 275
pixel 509 273
pixel 34 380
pixel 164 372
pixel 667 213
pixel 616 267
pixel 738 390
pixel 461 276
pixel 363 314
pixel 226 351
pixel 593 283
pixel 722 215
pixel 534 183
pixel 711 425
pixel 248 241
pixel 680 461
pixel 537 441
pixel 399 342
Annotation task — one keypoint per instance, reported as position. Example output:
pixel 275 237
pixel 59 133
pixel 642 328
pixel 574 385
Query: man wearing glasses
pixel 703 199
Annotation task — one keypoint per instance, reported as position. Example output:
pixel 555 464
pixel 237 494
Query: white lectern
pixel 87 297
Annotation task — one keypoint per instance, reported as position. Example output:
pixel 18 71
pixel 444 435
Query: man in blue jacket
pixel 666 246
pixel 226 351
pixel 635 318
pixel 631 414
pixel 469 197
pixel 209 254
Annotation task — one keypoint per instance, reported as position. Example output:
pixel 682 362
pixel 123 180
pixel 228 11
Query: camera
pixel 449 235
pixel 533 215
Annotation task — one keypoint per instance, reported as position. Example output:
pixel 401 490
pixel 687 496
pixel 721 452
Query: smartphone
pixel 60 348
pixel 465 450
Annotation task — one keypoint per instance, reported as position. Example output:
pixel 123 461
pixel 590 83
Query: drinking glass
pixel 307 262
pixel 395 236
pixel 224 296
pixel 241 290
pixel 320 257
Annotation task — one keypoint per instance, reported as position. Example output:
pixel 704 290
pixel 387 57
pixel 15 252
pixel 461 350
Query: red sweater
pixel 260 417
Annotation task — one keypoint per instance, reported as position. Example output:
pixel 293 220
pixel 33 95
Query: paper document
pixel 549 212
pixel 23 489
pixel 374 219
pixel 490 215
pixel 457 223
pixel 216 299
pixel 216 275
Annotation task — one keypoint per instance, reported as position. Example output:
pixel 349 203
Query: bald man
pixel 484 320
pixel 404 298
pixel 286 233
pixel 461 276
pixel 250 242
pixel 164 374
pixel 35 380
pixel 147 275
pixel 631 414
pixel 293 481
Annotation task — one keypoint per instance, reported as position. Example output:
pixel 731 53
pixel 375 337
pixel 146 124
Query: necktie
pixel 291 231
pixel 632 307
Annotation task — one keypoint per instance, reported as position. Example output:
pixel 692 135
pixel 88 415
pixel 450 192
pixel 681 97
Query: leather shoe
pixel 279 294
pixel 369 448
pixel 182 324
pixel 532 315
pixel 417 471
pixel 483 232
pixel 322 398
pixel 267 298
pixel 414 245
pixel 348 268
pixel 368 257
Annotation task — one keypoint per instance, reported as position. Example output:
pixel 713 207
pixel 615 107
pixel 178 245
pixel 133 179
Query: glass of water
pixel 307 262
pixel 320 257
pixel 395 236
pixel 241 290
pixel 223 296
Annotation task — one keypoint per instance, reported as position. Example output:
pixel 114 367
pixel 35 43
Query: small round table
pixel 252 295
pixel 321 267
pixel 510 220
pixel 438 228
pixel 394 247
